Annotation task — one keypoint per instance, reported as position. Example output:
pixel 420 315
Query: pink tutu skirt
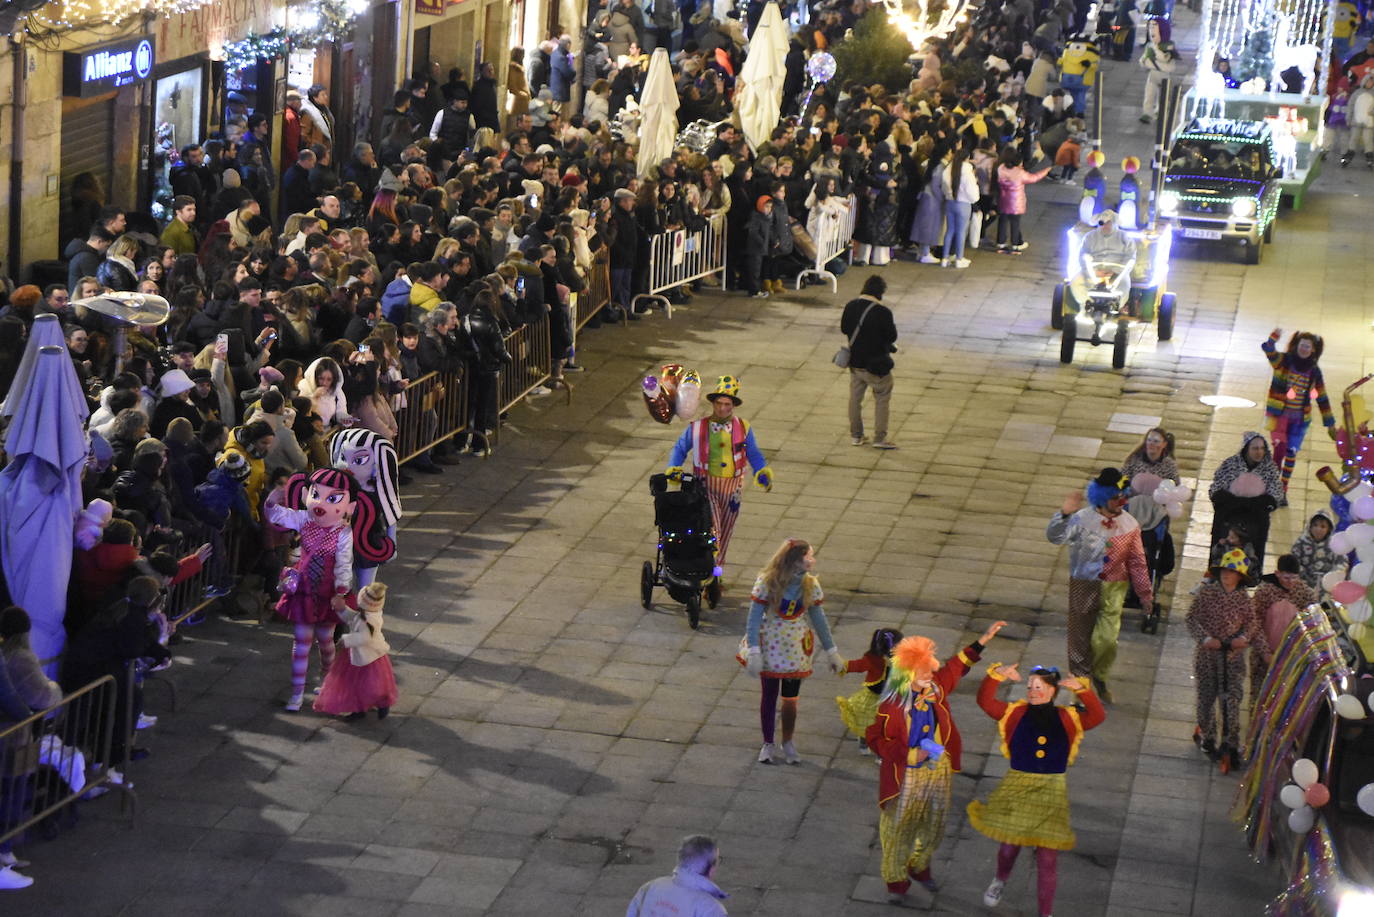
pixel 307 609
pixel 350 688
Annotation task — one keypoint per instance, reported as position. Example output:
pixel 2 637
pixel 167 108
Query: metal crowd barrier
pixel 531 364
pixel 192 594
pixel 436 409
pixel 681 256
pixel 57 756
pixel 597 296
pixel 833 236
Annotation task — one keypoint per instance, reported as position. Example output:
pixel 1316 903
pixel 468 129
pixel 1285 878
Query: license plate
pixel 1213 234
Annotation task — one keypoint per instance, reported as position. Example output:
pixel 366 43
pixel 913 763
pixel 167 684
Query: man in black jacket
pixel 296 196
pixel 484 108
pixel 872 334
pixel 624 250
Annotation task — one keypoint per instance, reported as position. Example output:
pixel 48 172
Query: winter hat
pixel 201 375
pixel 372 596
pixel 531 187
pixel 270 375
pixel 231 178
pixel 1110 484
pixel 179 431
pixel 1106 215
pixel 763 201
pixel 388 181
pixel 256 225
pixel 174 382
pixel 91 523
pixel 234 464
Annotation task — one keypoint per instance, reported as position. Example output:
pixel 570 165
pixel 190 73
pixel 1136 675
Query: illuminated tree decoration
pixel 929 20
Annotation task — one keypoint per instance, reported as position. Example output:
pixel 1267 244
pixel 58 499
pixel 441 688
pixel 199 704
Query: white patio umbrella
pixel 759 99
pixel 658 103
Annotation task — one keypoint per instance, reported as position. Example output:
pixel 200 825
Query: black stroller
pixel 1159 557
pixel 685 563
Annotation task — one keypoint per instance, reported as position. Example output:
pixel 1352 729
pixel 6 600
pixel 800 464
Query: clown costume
pixel 1288 409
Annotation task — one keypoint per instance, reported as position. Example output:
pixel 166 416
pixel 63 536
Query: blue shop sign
pixel 99 70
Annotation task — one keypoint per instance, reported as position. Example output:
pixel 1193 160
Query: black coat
pixel 876 340
pixel 483 106
pixel 296 196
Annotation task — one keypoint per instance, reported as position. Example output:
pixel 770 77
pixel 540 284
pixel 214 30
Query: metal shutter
pixel 88 136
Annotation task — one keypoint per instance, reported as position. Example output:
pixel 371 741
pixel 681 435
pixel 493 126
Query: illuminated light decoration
pixel 1262 38
pixel 326 20
pixel 76 14
pixel 928 23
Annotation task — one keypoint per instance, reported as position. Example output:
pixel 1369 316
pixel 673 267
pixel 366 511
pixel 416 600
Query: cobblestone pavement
pixel 554 740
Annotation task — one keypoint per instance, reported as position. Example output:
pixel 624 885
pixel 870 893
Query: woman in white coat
pixel 960 186
pixel 323 385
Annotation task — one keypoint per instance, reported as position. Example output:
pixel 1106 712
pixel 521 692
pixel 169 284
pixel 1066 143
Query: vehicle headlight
pixel 1168 203
pixel 1355 902
pixel 1243 207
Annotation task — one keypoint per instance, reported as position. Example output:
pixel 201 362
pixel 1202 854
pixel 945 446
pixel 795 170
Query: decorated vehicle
pixel 1307 797
pixel 1221 184
pixel 1102 294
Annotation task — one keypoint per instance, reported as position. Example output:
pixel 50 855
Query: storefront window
pixel 301 71
pixel 177 120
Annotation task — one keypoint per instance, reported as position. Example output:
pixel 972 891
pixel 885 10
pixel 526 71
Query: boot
pixel 1346 157
pixel 1369 160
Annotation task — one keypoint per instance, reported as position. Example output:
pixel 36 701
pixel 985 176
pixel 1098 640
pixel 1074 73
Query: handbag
pixel 841 357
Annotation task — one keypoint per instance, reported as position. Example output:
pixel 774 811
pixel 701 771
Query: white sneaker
pixel 294 704
pixel 993 896
pixel 1021 247
pixel 863 748
pixel 12 861
pixel 790 753
pixel 857 440
pixel 146 721
pixel 540 390
pixel 929 259
pixel 9 879
pixel 768 753
pixel 962 263
pixel 944 262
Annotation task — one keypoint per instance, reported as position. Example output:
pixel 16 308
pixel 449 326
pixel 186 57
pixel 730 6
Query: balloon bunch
pixel 1305 795
pixel 674 391
pixel 1352 589
pixel 819 69
pixel 1172 496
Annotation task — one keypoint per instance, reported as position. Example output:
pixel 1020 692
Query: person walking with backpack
pixel 872 334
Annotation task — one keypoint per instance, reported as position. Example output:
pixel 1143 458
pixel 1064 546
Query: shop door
pixel 86 147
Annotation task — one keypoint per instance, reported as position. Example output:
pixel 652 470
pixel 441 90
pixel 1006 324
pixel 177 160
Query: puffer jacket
pixel 1011 186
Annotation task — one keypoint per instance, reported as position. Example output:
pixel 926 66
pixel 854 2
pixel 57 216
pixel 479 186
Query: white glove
pixel 837 662
pixel 754 665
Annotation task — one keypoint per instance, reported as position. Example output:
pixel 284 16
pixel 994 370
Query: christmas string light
pixel 315 24
pixel 927 24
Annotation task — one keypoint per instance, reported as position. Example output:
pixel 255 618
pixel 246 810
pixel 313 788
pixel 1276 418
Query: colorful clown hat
pixel 726 387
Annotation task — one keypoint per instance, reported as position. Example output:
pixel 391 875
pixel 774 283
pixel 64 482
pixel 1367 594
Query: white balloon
pixel 1301 820
pixel 1349 706
pixel 1365 799
pixel 1363 573
pixel 1360 534
pixel 1293 796
pixel 1358 612
pixel 1362 489
pixel 1174 510
pixel 1332 577
pixel 1355 632
pixel 1341 543
pixel 1304 772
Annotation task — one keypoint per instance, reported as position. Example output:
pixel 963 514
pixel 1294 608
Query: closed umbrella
pixel 658 105
pixel 40 496
pixel 759 100
pixel 46 332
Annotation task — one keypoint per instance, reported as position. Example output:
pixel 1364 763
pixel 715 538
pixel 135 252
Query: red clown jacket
pixel 1032 750
pixel 888 738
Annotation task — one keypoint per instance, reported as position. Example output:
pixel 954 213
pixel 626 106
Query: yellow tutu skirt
pixel 858 710
pixel 1031 810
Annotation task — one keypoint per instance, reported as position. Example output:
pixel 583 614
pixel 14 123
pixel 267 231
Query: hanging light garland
pixel 73 14
pixel 314 24
pixel 929 21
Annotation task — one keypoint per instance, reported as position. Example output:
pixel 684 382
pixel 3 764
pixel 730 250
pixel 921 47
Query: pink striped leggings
pixel 1046 868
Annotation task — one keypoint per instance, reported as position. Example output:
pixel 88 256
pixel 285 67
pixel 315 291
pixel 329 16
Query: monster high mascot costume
pixel 1288 409
pixel 716 449
pixel 337 525
pixel 371 460
pixel 1106 557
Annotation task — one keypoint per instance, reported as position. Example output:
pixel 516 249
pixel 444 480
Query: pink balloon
pixel 1317 795
pixel 1363 509
pixel 1347 592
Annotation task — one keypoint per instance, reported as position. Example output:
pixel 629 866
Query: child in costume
pixel 1288 409
pixel 1030 807
pixel 915 736
pixel 371 460
pixel 1105 552
pixel 1314 554
pixel 785 619
pixel 1223 622
pixel 717 448
pixel 858 709
pixel 361 679
pixel 333 526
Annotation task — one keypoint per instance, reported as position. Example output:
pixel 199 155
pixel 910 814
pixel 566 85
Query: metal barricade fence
pixel 56 756
pixel 530 366
pixel 436 409
pixel 195 593
pixel 597 296
pixel 834 232
pixel 681 256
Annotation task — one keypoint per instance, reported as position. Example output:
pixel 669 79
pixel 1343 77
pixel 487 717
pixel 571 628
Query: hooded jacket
pixel 1315 558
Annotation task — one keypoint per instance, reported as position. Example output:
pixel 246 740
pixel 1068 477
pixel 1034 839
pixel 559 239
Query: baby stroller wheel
pixel 646 584
pixel 713 592
pixel 1149 624
pixel 694 610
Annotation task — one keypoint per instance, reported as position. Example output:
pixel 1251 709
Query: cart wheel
pixel 694 610
pixel 1253 253
pixel 1057 307
pixel 1123 334
pixel 1069 339
pixel 1166 316
pixel 713 592
pixel 646 584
